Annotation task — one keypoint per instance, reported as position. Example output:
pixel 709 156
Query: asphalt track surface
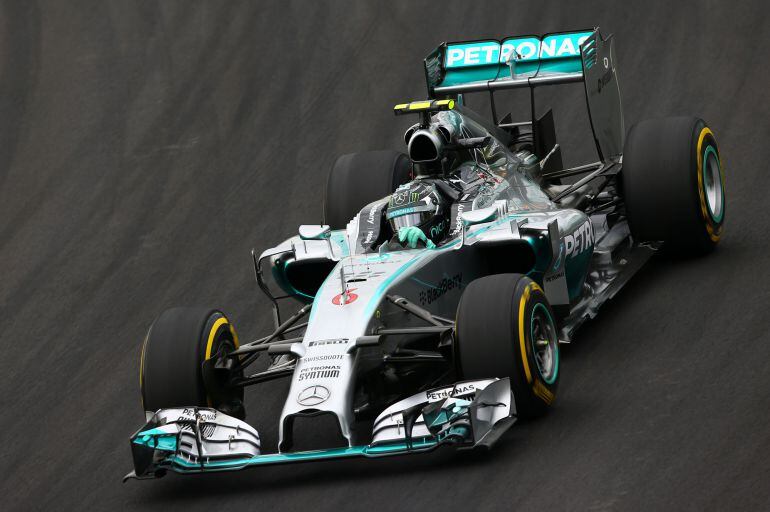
pixel 146 147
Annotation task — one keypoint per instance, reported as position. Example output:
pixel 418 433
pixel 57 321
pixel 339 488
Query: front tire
pixel 174 350
pixel 673 184
pixel 505 328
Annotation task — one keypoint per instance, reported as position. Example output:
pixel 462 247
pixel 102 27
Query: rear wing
pixel 476 66
pixel 491 65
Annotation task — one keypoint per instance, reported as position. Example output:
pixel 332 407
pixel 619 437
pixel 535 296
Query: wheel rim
pixel 712 184
pixel 545 343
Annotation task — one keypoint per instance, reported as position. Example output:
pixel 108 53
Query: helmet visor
pixel 410 219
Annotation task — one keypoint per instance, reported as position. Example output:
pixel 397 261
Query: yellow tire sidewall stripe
pixel 522 338
pixel 212 335
pixel 210 345
pixel 545 394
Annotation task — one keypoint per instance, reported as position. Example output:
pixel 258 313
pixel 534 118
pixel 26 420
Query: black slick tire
pixel 358 179
pixel 173 353
pixel 673 184
pixel 498 324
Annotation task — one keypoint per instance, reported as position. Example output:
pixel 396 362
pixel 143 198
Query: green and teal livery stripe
pixel 382 288
pixel 419 445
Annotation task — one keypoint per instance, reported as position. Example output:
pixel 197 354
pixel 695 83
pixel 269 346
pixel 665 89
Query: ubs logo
pixel 313 395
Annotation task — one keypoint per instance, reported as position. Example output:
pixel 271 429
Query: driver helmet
pixel 418 204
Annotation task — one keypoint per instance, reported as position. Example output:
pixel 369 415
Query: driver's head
pixel 418 204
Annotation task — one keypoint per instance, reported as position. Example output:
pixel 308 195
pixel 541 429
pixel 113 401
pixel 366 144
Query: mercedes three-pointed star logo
pixel 313 395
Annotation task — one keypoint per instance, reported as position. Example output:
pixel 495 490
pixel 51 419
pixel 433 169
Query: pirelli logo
pixel 317 343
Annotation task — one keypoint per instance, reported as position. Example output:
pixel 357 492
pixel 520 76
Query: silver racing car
pixel 433 298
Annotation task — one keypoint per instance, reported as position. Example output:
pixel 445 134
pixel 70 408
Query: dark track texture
pixel 146 147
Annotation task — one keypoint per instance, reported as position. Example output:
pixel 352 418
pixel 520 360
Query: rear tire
pixel 176 345
pixel 505 328
pixel 673 184
pixel 358 179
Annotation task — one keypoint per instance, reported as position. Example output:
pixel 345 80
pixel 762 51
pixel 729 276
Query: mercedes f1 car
pixel 410 335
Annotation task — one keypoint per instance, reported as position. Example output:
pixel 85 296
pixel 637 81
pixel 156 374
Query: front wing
pixel 197 440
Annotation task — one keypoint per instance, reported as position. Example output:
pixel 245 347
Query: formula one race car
pixel 442 282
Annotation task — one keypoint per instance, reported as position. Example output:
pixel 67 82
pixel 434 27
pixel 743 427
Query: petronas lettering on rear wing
pixel 458 68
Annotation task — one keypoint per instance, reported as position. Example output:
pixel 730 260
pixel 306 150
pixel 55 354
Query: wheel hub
pixel 712 184
pixel 545 343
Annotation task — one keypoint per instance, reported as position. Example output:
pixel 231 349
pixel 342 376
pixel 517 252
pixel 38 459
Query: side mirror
pixel 314 232
pixel 480 216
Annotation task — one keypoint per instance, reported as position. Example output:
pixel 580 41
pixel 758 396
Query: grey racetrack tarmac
pixel 146 147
